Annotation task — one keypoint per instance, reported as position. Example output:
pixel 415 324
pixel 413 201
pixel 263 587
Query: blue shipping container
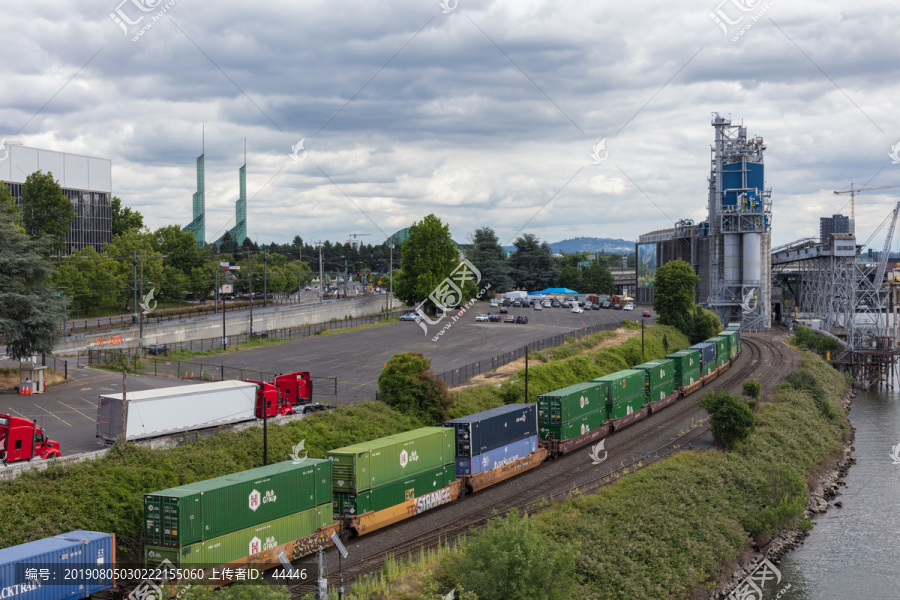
pixel 494 428
pixel 58 558
pixel 497 457
pixel 707 352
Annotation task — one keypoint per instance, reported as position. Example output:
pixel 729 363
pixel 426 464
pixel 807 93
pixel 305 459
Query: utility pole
pixel 391 295
pixel 526 374
pixel 141 335
pixel 321 274
pixel 250 279
pixel 346 274
pixel 124 404
pixel 134 270
pixel 224 339
pixel 265 279
pixel 217 291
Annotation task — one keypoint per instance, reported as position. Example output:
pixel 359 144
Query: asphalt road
pixel 355 359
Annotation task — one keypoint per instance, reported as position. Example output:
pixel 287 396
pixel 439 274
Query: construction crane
pixel 356 235
pixel 854 192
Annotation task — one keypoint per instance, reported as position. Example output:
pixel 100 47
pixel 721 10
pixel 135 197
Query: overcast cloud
pixel 485 115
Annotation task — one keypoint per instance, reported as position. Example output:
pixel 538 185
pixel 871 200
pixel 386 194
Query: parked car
pixel 547 304
pixel 410 316
pixel 538 306
pixel 577 309
pixel 494 318
pixel 482 318
pixel 503 310
pixel 555 304
pixel 629 307
pixel 522 319
pixel 494 304
pixel 617 307
pixel 517 304
pixel 509 319
pixel 646 313
pixel 606 305
pixel 595 307
pixel 317 407
pixel 156 349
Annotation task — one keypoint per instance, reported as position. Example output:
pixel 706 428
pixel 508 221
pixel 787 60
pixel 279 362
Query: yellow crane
pixel 853 192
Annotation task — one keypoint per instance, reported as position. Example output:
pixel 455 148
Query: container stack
pixel 219 520
pixel 495 437
pixel 625 392
pixel 572 411
pixel 659 379
pixel 707 357
pixel 378 474
pixel 721 349
pixel 687 367
pixel 734 340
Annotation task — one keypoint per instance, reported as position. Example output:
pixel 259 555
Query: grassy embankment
pixel 668 531
pixel 9 378
pixel 107 494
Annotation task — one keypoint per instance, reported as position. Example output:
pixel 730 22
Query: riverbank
pixel 824 496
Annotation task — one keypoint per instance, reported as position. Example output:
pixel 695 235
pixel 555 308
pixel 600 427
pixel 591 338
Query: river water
pixel 854 551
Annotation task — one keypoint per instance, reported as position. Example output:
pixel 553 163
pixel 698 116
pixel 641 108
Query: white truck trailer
pixel 153 413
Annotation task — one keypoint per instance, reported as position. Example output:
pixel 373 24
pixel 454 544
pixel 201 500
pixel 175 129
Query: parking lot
pixel 355 359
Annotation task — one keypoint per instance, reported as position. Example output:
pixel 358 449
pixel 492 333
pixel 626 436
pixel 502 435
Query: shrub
pixel 511 558
pixel 753 389
pixel 408 385
pixel 806 337
pixel 804 381
pixel 782 500
pixel 731 420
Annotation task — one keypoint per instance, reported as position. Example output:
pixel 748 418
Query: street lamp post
pixel 642 338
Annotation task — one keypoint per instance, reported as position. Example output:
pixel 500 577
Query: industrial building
pixel 730 249
pixel 85 180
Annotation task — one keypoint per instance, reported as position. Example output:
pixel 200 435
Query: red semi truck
pixel 21 439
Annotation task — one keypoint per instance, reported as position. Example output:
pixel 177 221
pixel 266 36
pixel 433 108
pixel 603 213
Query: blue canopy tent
pixel 565 291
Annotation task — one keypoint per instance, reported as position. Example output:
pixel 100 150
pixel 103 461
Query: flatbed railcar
pixel 374 520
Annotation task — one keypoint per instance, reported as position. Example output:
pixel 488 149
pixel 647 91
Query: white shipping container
pixel 152 413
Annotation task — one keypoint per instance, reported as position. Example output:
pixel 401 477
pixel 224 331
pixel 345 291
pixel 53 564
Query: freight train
pixel 293 507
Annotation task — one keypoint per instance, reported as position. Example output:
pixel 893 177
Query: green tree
pixel 179 248
pixel 533 267
pixel 570 277
pixel 704 324
pixel 46 211
pixel 730 418
pixel 89 279
pixel 407 384
pixel 596 279
pixel 487 256
pixel 124 218
pixel 429 257
pixel 752 389
pixel 228 245
pixel 511 558
pixel 673 298
pixel 30 312
pixel 8 206
pixel 124 248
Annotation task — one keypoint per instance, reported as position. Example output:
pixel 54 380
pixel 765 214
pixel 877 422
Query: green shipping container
pixel 574 428
pixel 661 391
pixel 570 403
pixel 721 347
pixel 732 338
pixel 206 509
pixel 238 544
pixel 657 372
pixel 625 407
pixel 623 385
pixel 685 379
pixel 372 464
pixel 394 493
pixel 685 360
pixel 707 368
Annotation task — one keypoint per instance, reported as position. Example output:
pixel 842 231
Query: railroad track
pixel 547 492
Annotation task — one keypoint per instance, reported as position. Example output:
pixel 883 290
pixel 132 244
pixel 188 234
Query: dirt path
pixel 510 369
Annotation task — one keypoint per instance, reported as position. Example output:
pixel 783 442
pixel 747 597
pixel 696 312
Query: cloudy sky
pixel 482 112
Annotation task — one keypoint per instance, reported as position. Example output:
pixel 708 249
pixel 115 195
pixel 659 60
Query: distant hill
pixel 589 244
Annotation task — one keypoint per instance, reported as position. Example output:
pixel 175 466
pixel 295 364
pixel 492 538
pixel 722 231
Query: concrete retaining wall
pixel 197 328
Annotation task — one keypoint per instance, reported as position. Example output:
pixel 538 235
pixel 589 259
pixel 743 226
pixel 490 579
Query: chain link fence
pixel 462 374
